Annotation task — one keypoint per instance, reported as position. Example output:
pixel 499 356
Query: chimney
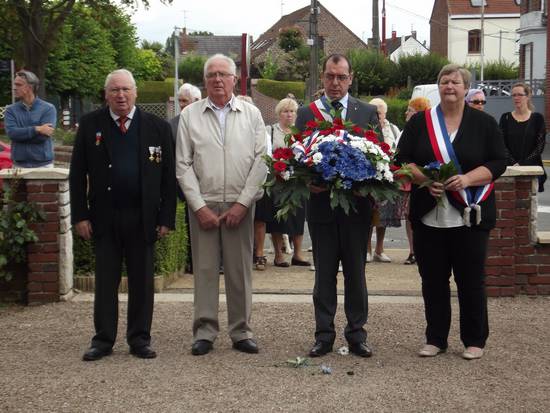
pixel 393 34
pixel 413 34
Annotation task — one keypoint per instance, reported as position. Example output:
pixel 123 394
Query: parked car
pixel 5 156
pixel 428 91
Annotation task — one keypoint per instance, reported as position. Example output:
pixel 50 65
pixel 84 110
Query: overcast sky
pixel 234 17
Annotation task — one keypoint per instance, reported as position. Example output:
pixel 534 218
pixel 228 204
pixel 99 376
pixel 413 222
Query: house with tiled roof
pixel 455 30
pixel 210 45
pixel 398 46
pixel 334 36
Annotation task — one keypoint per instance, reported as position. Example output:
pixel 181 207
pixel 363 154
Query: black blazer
pixel 90 176
pixel 478 143
pixel 319 210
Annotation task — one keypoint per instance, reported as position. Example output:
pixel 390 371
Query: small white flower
pixel 285 175
pixel 317 158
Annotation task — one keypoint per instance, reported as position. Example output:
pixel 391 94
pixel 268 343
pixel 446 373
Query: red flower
pixel 338 124
pixel 371 136
pixel 279 166
pixel 282 153
pixel 325 132
pixel 311 124
pixel 298 136
pixel 357 130
pixel 385 147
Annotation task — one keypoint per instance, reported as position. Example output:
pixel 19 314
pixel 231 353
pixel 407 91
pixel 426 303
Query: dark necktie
pixel 336 104
pixel 122 124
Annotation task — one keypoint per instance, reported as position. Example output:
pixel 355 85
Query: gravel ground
pixel 41 370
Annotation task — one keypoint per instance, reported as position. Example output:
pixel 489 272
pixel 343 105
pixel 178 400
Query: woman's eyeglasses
pixel 478 102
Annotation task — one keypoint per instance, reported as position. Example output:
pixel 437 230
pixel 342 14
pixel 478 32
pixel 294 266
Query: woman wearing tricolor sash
pixel 451 220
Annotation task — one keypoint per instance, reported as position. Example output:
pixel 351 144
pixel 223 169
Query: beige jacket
pixel 211 170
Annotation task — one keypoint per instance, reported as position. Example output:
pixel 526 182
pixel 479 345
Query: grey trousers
pixel 234 246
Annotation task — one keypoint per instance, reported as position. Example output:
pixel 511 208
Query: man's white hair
pixel 119 72
pixel 193 92
pixel 219 56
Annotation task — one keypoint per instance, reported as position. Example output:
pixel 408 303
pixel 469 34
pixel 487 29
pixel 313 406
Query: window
pixel 477 3
pixel 474 41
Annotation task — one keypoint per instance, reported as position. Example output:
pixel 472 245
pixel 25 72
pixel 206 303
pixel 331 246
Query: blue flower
pixel 434 166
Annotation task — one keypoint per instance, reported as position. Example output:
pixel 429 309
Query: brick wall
pixel 49 260
pixel 517 263
pixel 439 28
pixel 265 103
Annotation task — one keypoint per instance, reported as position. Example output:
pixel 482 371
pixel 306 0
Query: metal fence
pixel 504 87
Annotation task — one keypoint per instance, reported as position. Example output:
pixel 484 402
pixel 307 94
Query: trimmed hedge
pixel 279 89
pixel 170 252
pixel 154 91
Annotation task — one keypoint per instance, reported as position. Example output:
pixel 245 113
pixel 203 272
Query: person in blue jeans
pixel 30 123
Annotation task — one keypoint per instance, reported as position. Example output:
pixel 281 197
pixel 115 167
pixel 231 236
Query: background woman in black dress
pixel 524 131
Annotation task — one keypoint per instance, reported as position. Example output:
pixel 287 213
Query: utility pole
pixel 384 50
pixel 375 25
pixel 313 42
pixel 176 81
pixel 482 41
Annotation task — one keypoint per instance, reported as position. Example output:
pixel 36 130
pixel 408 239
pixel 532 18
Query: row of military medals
pixel 155 154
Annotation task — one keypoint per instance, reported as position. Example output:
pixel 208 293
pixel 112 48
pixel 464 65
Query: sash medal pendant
pixel 98 138
pixel 152 153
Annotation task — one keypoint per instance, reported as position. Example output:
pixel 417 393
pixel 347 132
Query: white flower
pixel 285 175
pixel 317 158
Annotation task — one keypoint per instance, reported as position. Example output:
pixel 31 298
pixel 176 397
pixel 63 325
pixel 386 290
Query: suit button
pixel 110 166
pixel 108 188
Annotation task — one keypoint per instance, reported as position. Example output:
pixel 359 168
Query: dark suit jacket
pixel 174 122
pixel 90 177
pixel 319 209
pixel 478 142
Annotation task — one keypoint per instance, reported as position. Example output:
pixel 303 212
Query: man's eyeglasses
pixel 221 75
pixel 478 102
pixel 117 90
pixel 518 95
pixel 341 78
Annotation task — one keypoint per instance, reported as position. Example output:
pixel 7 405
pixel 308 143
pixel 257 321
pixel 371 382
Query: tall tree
pixel 40 22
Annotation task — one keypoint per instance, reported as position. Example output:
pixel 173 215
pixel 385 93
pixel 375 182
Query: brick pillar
pixel 49 260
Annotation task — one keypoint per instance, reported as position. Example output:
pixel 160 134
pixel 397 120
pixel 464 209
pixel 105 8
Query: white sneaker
pixel 472 353
pixel 381 257
pixel 430 350
pixel 369 257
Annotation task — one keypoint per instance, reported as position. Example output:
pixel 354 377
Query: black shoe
pixel 360 349
pixel 320 348
pixel 201 347
pixel 143 352
pixel 300 263
pixel 246 346
pixel 95 353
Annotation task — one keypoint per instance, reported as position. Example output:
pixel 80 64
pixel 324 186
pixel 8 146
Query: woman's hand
pixel 436 189
pixel 457 182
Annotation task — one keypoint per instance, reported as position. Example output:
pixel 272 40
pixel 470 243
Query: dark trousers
pixel 334 242
pixel 125 242
pixel 462 251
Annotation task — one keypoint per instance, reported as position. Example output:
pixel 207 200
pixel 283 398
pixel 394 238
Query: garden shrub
pixel 279 89
pixel 153 91
pixel 170 252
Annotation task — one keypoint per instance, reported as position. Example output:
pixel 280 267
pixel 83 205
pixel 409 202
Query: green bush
pixel 423 69
pixel 191 69
pixel 494 70
pixel 373 74
pixel 153 91
pixel 396 111
pixel 64 137
pixel 170 252
pixel 279 89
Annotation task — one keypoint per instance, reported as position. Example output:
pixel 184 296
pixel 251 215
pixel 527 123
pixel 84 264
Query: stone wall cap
pixel 35 173
pixel 543 237
pixel 523 171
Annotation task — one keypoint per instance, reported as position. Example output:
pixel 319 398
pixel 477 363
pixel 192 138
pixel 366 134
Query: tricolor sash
pixel 444 153
pixel 321 109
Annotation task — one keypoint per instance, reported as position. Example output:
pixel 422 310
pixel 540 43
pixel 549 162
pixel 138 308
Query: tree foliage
pixel 191 68
pixel 290 39
pixel 201 33
pixel 495 70
pixel 422 69
pixel 147 65
pixel 373 73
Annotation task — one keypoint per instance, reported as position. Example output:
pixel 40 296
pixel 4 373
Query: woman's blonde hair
pixel 527 90
pixel 284 104
pixel 420 103
pixel 380 104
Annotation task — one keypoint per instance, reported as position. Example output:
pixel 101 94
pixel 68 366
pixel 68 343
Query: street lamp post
pixel 176 80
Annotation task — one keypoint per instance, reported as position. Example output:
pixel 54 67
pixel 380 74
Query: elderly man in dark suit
pixel 123 195
pixel 337 237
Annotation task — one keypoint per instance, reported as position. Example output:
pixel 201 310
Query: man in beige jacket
pixel 220 169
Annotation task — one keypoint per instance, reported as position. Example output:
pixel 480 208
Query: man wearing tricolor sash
pixel 451 220
pixel 336 236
